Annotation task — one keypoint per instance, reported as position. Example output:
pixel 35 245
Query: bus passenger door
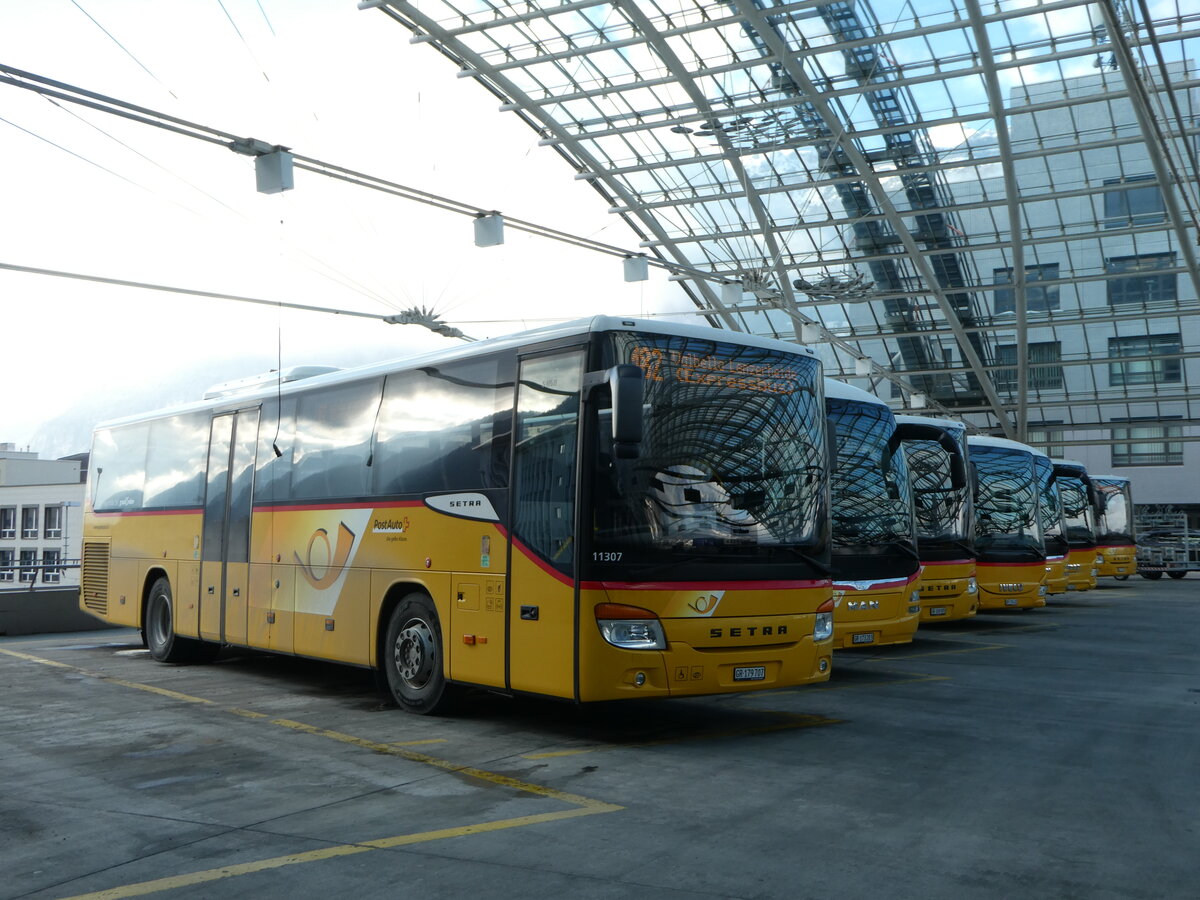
pixel 225 541
pixel 541 607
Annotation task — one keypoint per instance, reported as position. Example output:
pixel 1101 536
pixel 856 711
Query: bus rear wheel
pixel 1153 576
pixel 413 657
pixel 1177 574
pixel 159 630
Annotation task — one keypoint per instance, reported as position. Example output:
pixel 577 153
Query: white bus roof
pixel 986 440
pixel 260 390
pixel 842 391
pixel 930 420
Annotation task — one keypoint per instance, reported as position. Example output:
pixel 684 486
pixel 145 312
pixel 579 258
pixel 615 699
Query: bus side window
pixel 333 441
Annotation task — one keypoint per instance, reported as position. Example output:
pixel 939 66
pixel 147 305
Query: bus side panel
pixel 125 591
pixel 399 582
pixel 342 635
pixel 541 615
pixel 474 633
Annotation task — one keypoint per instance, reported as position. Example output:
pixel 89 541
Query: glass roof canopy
pixel 818 171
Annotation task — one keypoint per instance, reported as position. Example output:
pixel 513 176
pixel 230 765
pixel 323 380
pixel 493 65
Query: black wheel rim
pixel 415 654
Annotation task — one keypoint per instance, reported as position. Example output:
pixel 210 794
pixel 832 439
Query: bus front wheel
pixel 158 627
pixel 1153 576
pixel 412 656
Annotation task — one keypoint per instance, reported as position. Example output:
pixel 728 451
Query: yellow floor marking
pixel 907 679
pixel 973 649
pixel 418 743
pixel 209 875
pixel 583 806
pixel 794 720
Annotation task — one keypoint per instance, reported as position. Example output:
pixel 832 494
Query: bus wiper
pixel 907 548
pixel 810 559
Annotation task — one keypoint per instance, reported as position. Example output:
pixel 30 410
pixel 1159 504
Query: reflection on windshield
pixel 732 463
pixel 1077 512
pixel 943 511
pixel 1007 514
pixel 1115 522
pixel 1051 507
pixel 869 489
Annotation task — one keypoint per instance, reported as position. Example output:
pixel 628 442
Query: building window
pixel 8 522
pixel 28 566
pixel 1037 299
pixel 29 521
pixel 1142 282
pixel 1147 443
pixel 1145 371
pixel 1133 204
pixel 52 527
pixel 1044 378
pixel 51 573
pixel 1039 434
pixel 6 566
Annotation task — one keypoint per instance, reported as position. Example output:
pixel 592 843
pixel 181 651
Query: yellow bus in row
pixel 606 509
pixel 1116 540
pixel 875 561
pixel 1011 564
pixel 936 453
pixel 1054 529
pixel 1079 516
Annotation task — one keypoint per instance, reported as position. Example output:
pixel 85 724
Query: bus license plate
pixel 749 673
pixel 1010 601
pixel 937 611
pixel 865 637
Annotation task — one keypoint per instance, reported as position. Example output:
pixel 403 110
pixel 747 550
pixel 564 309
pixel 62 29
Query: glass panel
pixel 446 428
pixel 118 467
pixel 333 441
pixel 237 547
pixel 731 467
pixel 1008 517
pixel 218 478
pixel 544 477
pixel 1142 285
pixel 175 462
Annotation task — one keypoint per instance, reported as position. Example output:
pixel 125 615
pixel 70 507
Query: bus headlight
pixel 630 627
pixel 823 626
pixel 1099 559
pixel 972 585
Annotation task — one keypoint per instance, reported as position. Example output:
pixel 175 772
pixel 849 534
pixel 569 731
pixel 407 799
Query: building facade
pixel 41 520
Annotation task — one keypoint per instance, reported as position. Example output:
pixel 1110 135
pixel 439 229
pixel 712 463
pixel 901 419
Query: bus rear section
pixel 1011 566
pixel 1079 517
pixel 875 561
pixel 935 451
pixel 1054 529
pixel 1115 539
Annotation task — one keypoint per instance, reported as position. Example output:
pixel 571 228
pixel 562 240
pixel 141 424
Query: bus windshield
pixel 870 490
pixel 1051 507
pixel 1115 522
pixel 731 469
pixel 1077 512
pixel 943 511
pixel 1008 524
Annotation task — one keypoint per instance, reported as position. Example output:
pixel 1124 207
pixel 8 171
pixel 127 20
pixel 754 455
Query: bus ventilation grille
pixel 94 577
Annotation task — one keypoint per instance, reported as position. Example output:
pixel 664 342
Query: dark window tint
pixel 175 462
pixel 1141 282
pixel 118 467
pixel 547 426
pixel 1041 377
pixel 333 441
pixel 445 428
pixel 1038 298
pixel 1133 203
pixel 1145 371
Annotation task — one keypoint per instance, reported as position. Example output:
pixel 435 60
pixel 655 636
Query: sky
pixel 87 192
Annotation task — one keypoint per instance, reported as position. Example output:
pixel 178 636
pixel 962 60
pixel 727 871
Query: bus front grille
pixel 93 579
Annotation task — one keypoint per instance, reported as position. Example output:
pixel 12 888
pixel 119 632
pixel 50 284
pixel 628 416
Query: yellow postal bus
pixel 936 453
pixel 1115 538
pixel 1054 529
pixel 1011 567
pixel 1079 516
pixel 875 562
pixel 600 510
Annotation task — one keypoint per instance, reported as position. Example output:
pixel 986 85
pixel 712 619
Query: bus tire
pixel 1153 576
pixel 413 656
pixel 1121 577
pixel 158 626
pixel 1182 574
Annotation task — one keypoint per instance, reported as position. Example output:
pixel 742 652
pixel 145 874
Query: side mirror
pixel 958 472
pixel 626 384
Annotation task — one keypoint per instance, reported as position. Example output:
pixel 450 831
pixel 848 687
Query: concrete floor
pixel 1050 754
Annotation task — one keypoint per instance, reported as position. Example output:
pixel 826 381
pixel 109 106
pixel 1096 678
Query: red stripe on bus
pixel 701 585
pixel 1014 564
pixel 151 512
pixel 947 562
pixel 396 504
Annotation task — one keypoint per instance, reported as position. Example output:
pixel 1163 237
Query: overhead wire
pixel 125 49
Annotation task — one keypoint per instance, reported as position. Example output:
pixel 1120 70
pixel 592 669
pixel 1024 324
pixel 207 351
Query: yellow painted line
pixel 210 875
pixel 919 679
pixel 793 721
pixel 973 649
pixel 165 692
pixel 418 743
pixel 36 659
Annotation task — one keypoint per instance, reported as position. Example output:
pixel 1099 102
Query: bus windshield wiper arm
pixel 811 560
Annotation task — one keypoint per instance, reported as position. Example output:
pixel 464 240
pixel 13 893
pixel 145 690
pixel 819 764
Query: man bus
pixel 1079 516
pixel 1011 566
pixel 1054 530
pixel 592 511
pixel 935 451
pixel 1115 538
pixel 875 562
